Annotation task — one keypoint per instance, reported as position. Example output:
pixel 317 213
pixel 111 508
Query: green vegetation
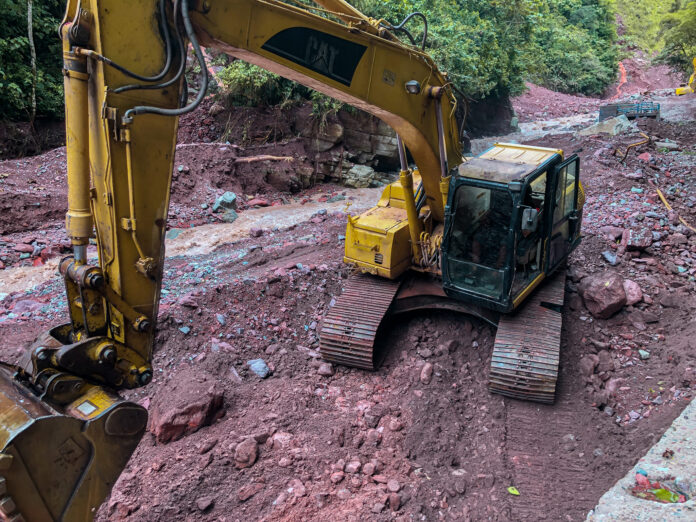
pixel 665 27
pixel 678 29
pixel 640 22
pixel 15 61
pixel 488 47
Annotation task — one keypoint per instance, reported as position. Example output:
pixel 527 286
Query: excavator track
pixel 348 333
pixel 528 344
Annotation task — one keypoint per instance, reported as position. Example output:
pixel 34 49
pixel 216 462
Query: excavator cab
pixel 513 216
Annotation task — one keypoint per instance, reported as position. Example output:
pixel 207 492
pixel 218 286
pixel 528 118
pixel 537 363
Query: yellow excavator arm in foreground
pixel 690 86
pixel 64 433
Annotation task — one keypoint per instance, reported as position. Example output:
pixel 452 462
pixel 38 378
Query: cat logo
pixel 324 53
pixel 321 55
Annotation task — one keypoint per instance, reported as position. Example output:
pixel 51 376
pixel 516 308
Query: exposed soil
pixel 637 75
pixel 391 444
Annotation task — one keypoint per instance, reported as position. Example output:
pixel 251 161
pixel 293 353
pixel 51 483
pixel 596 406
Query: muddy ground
pixel 399 443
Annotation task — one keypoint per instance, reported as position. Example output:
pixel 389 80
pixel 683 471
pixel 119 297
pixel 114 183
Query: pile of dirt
pixel 539 103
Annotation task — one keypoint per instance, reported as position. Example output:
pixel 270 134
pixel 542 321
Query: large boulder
pixel 603 294
pixel 192 401
pixel 612 126
pixel 360 176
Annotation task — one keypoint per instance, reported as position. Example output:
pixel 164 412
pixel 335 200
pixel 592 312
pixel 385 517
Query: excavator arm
pixel 64 432
pixel 690 86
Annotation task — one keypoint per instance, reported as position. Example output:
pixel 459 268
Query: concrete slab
pixel 618 504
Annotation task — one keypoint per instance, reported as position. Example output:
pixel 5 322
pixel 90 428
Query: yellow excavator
pixel 690 86
pixel 476 235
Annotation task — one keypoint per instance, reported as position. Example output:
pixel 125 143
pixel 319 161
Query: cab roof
pixel 507 162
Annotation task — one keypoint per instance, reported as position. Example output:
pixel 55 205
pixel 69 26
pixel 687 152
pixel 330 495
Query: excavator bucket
pixel 59 465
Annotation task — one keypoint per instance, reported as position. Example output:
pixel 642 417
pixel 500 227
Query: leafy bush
pixel 15 68
pixel 248 85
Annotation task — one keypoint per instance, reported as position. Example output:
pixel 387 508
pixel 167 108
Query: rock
pixel 452 345
pixel 667 145
pixel 207 446
pixel 337 476
pixel 325 369
pixel 285 462
pixel 259 367
pixel 426 373
pixel 258 202
pixel 611 126
pixel 393 485
pixel 220 319
pixel 368 469
pixel 677 239
pixel 394 501
pixel 610 257
pixel 378 507
pixel 245 453
pixel 568 439
pixel 343 494
pixel 396 425
pixel 228 201
pixel 246 492
pixel 297 488
pixel 425 353
pixel 609 411
pixel 26 305
pixel 603 294
pixel 670 300
pixel 353 466
pixel 359 176
pixel 633 292
pixel 230 216
pixel 588 363
pixel 645 156
pixel 373 438
pixel 23 247
pixel 205 503
pixel 611 233
pixel 328 136
pixel 175 416
pixel 605 362
pixel 188 301
pixel 644 355
pixel 639 239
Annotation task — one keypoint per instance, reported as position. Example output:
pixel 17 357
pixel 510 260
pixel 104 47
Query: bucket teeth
pixel 349 329
pixel 527 346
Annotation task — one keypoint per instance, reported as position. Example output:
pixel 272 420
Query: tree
pixel 16 76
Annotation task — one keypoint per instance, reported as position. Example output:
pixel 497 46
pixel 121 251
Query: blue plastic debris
pixel 259 367
pixel 185 330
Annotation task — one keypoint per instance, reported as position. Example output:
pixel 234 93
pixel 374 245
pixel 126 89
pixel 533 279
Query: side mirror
pixel 530 220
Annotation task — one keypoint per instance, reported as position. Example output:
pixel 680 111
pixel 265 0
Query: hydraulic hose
pixel 164 28
pixel 182 61
pixel 144 109
pixel 400 27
